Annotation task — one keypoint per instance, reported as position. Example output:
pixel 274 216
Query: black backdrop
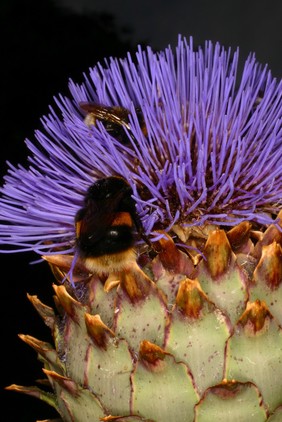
pixel 43 45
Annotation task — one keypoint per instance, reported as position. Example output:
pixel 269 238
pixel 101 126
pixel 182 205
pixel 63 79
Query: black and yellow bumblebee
pixel 106 226
pixel 114 118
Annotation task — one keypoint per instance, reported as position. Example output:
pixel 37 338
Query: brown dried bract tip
pixel 227 388
pixel 150 352
pixel 218 253
pixel 40 346
pixel 32 391
pixel 272 233
pixel 135 283
pixel 61 265
pixel 111 282
pixel 269 268
pixel 171 257
pixel 132 418
pixel 60 260
pixel 69 304
pixel 98 331
pixel 239 235
pixel 44 311
pixel 255 316
pixel 190 298
pixel 50 420
pixel 168 252
pixel 64 382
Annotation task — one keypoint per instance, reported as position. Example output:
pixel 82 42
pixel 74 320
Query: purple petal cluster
pixel 211 151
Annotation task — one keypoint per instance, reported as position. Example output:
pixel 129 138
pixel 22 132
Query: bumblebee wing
pixel 114 115
pixel 92 223
pixel 99 111
pixel 94 219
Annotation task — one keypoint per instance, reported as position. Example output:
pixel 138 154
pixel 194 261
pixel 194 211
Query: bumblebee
pixel 105 226
pixel 115 120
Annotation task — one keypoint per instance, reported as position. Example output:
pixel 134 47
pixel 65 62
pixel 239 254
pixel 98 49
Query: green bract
pixel 154 344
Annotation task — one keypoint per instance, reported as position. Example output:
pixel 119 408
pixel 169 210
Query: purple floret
pixel 212 151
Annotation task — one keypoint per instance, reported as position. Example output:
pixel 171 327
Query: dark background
pixel 43 43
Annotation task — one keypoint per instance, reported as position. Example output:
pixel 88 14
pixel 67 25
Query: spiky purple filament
pixel 212 151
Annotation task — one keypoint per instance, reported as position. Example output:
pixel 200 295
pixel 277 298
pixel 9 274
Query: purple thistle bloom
pixel 212 151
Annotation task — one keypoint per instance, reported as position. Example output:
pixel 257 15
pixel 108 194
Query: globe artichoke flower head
pixel 154 191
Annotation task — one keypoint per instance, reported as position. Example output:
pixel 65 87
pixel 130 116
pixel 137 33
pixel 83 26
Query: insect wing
pixel 111 115
pixel 96 217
